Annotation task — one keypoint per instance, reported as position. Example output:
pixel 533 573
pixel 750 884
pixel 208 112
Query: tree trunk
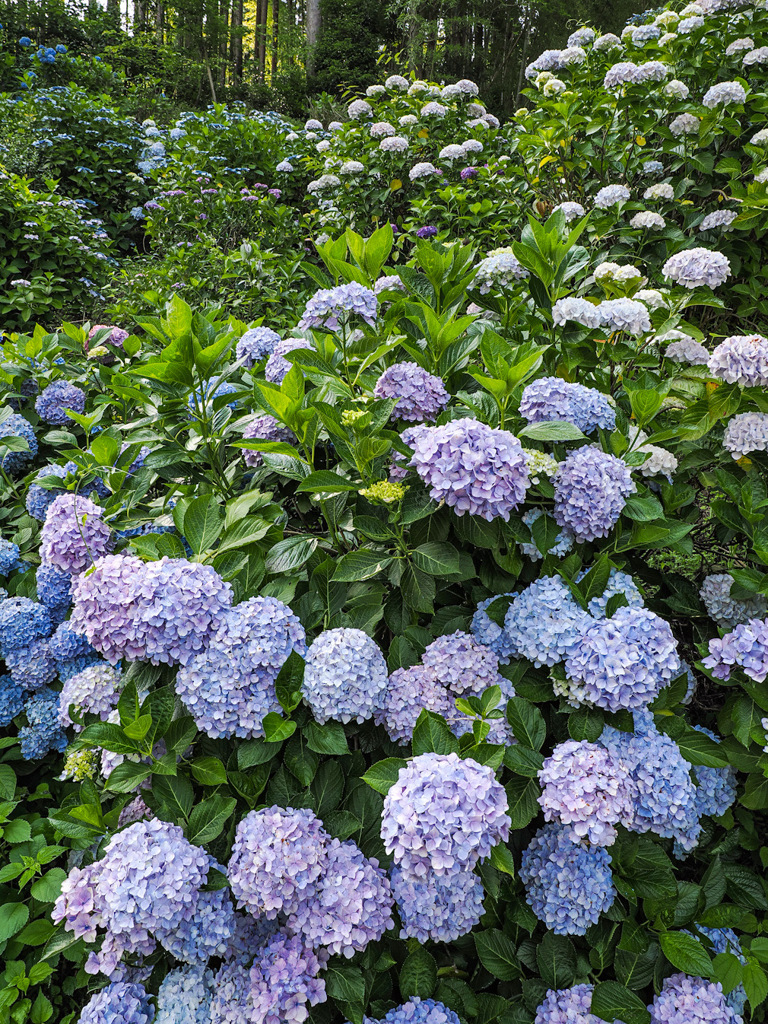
pixel 275 35
pixel 313 33
pixel 160 22
pixel 224 47
pixel 236 43
pixel 263 40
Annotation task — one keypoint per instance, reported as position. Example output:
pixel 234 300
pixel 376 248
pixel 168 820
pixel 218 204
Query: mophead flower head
pixel 185 996
pixel 22 621
pixel 745 647
pixel 420 395
pixel 488 632
pixel 567 1006
pixel 345 676
pixel 741 359
pixel 544 622
pixel 53 402
pixel 550 398
pixel 16 426
pixel 119 1003
pixel 691 1000
pixel 697 268
pixel 330 308
pixel 591 490
pixel 463 665
pixel 430 908
pixel 278 366
pixel 256 344
pixel 74 534
pixel 95 690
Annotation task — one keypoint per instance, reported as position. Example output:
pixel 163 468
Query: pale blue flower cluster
pixel 256 344
pixel 745 647
pixel 53 401
pixel 544 622
pixel 550 398
pixel 697 268
pixel 329 308
pixel 118 1003
pixel 618 583
pixel 624 314
pixel 611 195
pixel 463 665
pixel 229 687
pixel 741 359
pixel 687 350
pixel 185 996
pixel 418 1011
pixel 432 909
pixel 43 732
pixel 472 467
pixel 567 1006
pixel 591 489
pixel 345 676
pixel 691 1000
pixel 578 310
pixel 164 612
pixel 9 557
pixel 716 788
pixel 568 885
pixel 490 633
pixel 74 534
pixel 95 690
pixel 729 611
pixel 420 395
pixel 16 426
pixel 725 940
pixel 745 433
pixel 202 399
pixel 278 367
pixel 40 499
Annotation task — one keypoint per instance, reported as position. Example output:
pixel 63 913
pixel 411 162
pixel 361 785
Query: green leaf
pixel 209 771
pixel 207 819
pixel 18 831
pixel 382 775
pixel 431 734
pixel 326 482
pixel 277 728
pixel 326 739
pixel 612 1002
pixel 256 752
pixel 288 682
pixel 497 954
pixel 48 888
pixel 755 984
pixel 360 565
pixel 418 975
pixel 7 782
pixel 502 859
pixel 686 953
pixel 42 1010
pixel 127 776
pixel 346 985
pixel 300 761
pixel 176 793
pixel 13 917
pixel 586 724
pixel 523 761
pixel 289 554
pixel 527 723
pixel 203 522
pixel 552 430
pixel 37 932
pixel 556 958
pixel 436 559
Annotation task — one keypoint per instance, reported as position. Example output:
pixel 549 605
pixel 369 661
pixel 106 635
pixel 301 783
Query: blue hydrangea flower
pixel 53 589
pixel 74 534
pixel 203 398
pixel 9 557
pixel 32 667
pixel 419 1011
pixel 21 622
pixel 563 544
pixel 716 788
pixel 544 622
pixel 283 979
pixel 491 633
pixel 463 665
pixel 665 796
pixel 256 344
pixel 40 499
pixel 16 426
pixel 431 909
pixel 278 366
pixel 408 692
pixel 420 395
pixel 53 401
pixel 500 269
pixel 443 815
pixel 746 647
pixel 95 690
pixel 689 1000
pixel 345 676
pixel 208 933
pixel 591 489
pixel 43 733
pixel 725 610
pixel 265 428
pixel 11 700
pixel 185 996
pixel 331 307
pixel 472 467
pixel 567 1006
pixel 618 583
pixel 66 644
pixel 229 687
pixel 550 398
pixel 623 662
pixel 568 885
pixel 118 1003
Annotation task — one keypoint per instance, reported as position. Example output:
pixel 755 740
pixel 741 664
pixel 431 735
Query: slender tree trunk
pixel 263 40
pixel 275 35
pixel 524 55
pixel 313 33
pixel 160 22
pixel 224 47
pixel 236 42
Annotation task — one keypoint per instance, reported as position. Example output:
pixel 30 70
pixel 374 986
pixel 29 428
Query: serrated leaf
pixel 497 954
pixel 382 775
pixel 418 975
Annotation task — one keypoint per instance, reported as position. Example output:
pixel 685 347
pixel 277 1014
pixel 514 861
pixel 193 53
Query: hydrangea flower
pixel 745 433
pixel 685 124
pixel 580 311
pixel 741 359
pixel 21 623
pixel 118 1003
pixel 164 612
pixel 229 687
pixel 283 979
pixel 207 934
pixel 53 401
pixel 116 337
pixel 691 1000
pixel 442 815
pixel 265 428
pixel 659 461
pixel 472 468
pixel 718 219
pixel 648 220
pixel 95 690
pixel 419 1011
pixel 624 314
pixel 550 398
pixel 490 633
pixel 420 395
pixel 53 589
pixel 725 610
pixel 359 109
pixel 394 144
pixel 571 211
pixel 746 647
pixel 40 499
pixel 185 996
pixel 567 885
pixel 345 676
pixel 618 583
pixel 623 662
pixel 499 270
pixel 591 489
pixel 676 90
pixel 567 1006
pixel 687 350
pixel 463 665
pixel 256 344
pixel 431 909
pixel 611 195
pixel 408 692
pixel 277 366
pixel 330 307
pixel 661 190
pixel 31 667
pixel 43 732
pixel 725 940
pixel 16 426
pixel 422 170
pixel 9 556
pixel 563 542
pixel 11 700
pixel 697 268
pixel 724 94
pixel 716 788
pixel 74 534
pixel 544 622
pixel 588 790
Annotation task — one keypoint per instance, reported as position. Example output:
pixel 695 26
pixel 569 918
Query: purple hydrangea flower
pixel 118 1003
pixel 746 647
pixel 697 268
pixel 551 398
pixel 741 359
pixel 398 469
pixel 95 690
pixel 568 885
pixel 472 467
pixel 53 401
pixel 256 344
pixel 588 790
pixel 345 676
pixel 463 665
pixel 265 428
pixel 745 433
pixel 162 612
pixel 16 426
pixel 420 395
pixel 117 335
pixel 725 940
pixel 544 623
pixel 283 980
pixel 432 909
pixel 490 633
pixel 74 534
pixel 568 1006
pixel 690 1000
pixel 408 693
pixel 623 662
pixel 331 307
pixel 443 815
pixel 277 366
pixel 229 687
pixel 426 232
pixel 591 489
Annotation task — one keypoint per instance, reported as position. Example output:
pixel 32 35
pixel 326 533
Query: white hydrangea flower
pixel 433 109
pixel 651 297
pixel 676 90
pixel 418 88
pixel 649 220
pixel 745 43
pixel 723 94
pixel 394 144
pixel 358 109
pixel 397 82
pixel 573 55
pixel 760 138
pixel 408 119
pixel 334 126
pixel 660 462
pixel 422 170
pixel 375 90
pixel 685 124
pixel 311 135
pixel 450 92
pixel 291 137
pixel 666 19
pixel 351 167
pixel 476 109
pixel 718 219
pixel 572 211
pixel 313 125
pixel 667 38
pixel 610 195
pixel 758 56
pixel 323 146
pixel 491 120
pixel 688 25
pixel 472 146
pixel 467 87
pixel 652 71
pixel 554 87
pixel 581 37
pixel 608 41
pixel 762 176
pixel 451 152
pixel 325 181
pixel 381 128
pixel 605 271
pixel 285 166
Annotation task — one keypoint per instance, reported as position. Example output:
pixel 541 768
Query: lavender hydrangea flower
pixel 408 692
pixel 725 610
pixel 687 350
pixel 724 94
pixel 350 906
pixel 472 468
pixel 265 428
pixel 43 732
pixel 207 934
pixel 21 623
pixel 162 612
pixel 95 690
pixel 611 195
pixel 623 662
pixel 118 1003
pixel 185 996
pixel 31 667
pixel 278 366
pixel 16 426
pixel 53 401
pixel 463 665
pixel 74 534
pixel 745 433
pixel 568 885
pixel 278 857
pixel 741 359
pixel 420 395
pixel 625 72
pixel 567 1006
pixel 499 270
pixel 544 622
pixel 685 124
pixel 591 489
pixel 665 796
pixel 624 314
pixel 746 647
pixel 116 337
pixel 443 815
pixel 419 1011
pixel 39 499
pixel 550 398
pixel 430 909
pixel 718 219
pixel 345 676
pixel 256 344
pixel 398 469
pixel 329 308
pixel 580 311
pixel 716 788
pixel 697 268
pixel 588 790
pixel 490 633
pixel 283 979
pixel 691 1000
pixel 618 583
